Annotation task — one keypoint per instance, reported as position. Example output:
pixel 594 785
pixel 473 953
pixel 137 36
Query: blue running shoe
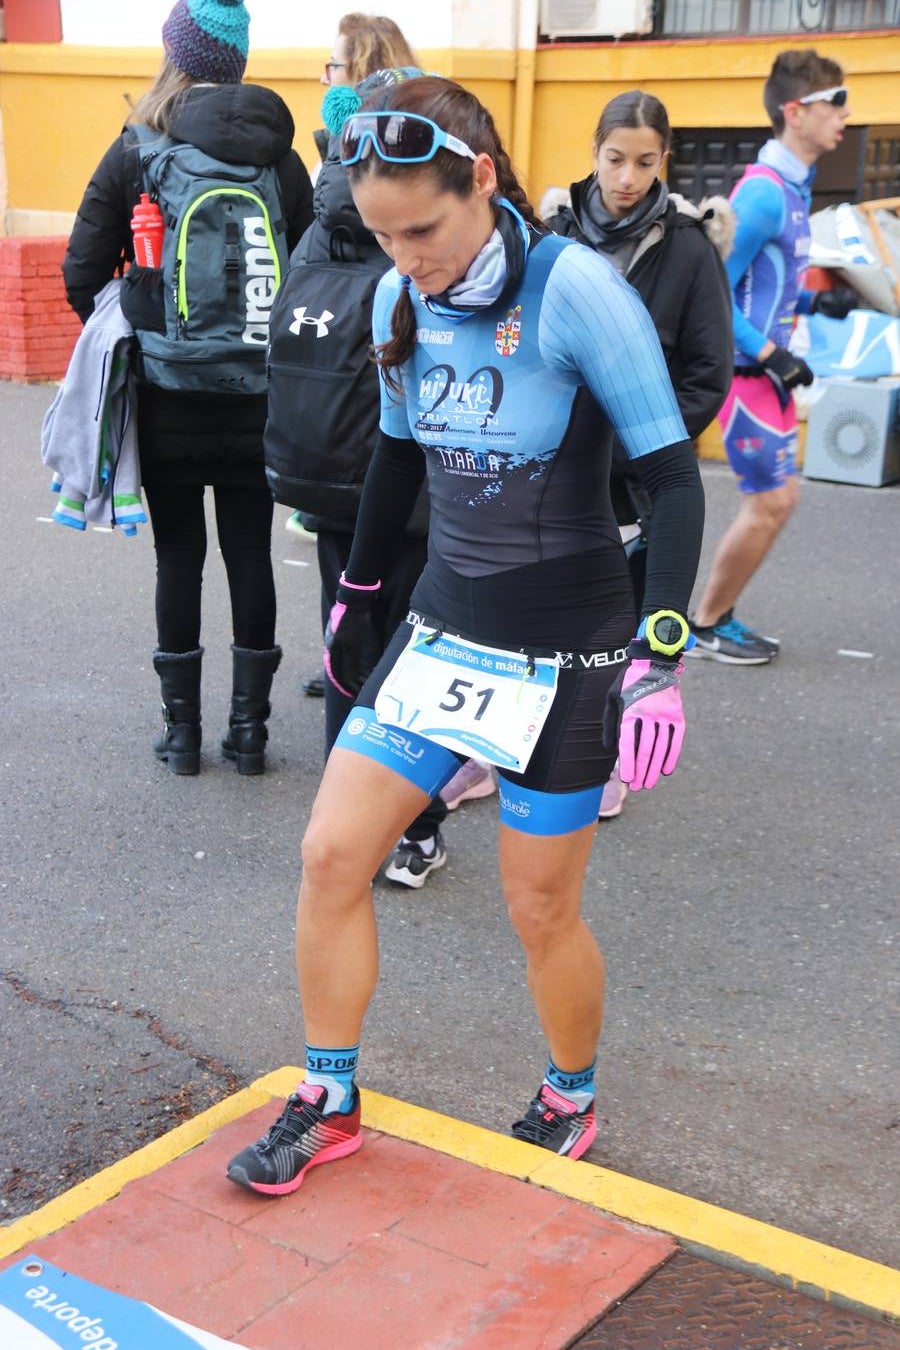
pixel 730 642
pixel 772 643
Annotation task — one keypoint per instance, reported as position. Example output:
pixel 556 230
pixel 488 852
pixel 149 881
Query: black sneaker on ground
pixel 302 1137
pixel 731 642
pixel 553 1122
pixel 410 864
pixel 314 687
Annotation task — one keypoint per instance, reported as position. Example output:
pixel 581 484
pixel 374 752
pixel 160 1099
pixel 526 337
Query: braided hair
pixel 459 113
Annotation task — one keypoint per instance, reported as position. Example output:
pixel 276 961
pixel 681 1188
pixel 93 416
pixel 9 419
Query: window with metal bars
pixel 703 18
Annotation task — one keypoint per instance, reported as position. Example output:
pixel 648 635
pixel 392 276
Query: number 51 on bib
pixel 474 700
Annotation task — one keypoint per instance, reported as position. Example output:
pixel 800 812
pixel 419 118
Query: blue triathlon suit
pixel 524 549
pixel 765 268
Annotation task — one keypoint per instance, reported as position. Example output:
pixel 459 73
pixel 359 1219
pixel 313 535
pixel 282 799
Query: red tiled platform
pixel 398 1246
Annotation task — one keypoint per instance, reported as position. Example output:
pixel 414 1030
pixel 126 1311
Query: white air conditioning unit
pixel 853 433
pixel 595 18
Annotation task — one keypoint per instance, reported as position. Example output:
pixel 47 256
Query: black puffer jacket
pixel 337 229
pixel 195 437
pixel 678 272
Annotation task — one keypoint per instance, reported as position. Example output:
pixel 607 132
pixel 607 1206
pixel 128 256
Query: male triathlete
pixel 807 104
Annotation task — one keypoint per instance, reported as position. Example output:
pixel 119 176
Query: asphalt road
pixel 746 907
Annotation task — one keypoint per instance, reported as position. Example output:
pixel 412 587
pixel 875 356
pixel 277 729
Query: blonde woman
pixel 366 43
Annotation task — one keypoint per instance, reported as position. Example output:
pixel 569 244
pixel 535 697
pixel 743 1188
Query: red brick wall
pixel 33 21
pixel 37 328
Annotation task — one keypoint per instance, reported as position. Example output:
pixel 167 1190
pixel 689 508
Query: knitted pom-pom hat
pixel 342 100
pixel 208 39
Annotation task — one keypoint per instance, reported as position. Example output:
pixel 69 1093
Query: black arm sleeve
pixel 393 478
pixel 672 479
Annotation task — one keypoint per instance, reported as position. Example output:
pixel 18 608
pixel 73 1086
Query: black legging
pixel 244 526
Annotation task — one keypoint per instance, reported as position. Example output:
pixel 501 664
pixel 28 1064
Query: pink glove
pixel 644 714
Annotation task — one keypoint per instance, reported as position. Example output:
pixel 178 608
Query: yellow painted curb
pixel 719 1234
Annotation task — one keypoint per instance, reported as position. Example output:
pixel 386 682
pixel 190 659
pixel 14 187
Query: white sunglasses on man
pixel 836 96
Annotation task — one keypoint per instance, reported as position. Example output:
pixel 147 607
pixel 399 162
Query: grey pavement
pixel 746 907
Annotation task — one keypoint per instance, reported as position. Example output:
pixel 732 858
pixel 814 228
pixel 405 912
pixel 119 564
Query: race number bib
pixel 475 700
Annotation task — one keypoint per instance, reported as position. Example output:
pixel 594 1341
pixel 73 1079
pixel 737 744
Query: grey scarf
pixel 608 234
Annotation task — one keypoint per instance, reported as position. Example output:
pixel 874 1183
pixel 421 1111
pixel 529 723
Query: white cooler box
pixel 853 432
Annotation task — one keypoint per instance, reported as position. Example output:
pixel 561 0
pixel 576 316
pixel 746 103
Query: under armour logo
pixel 301 317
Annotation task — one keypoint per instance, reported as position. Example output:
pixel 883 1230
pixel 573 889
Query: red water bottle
pixel 148 229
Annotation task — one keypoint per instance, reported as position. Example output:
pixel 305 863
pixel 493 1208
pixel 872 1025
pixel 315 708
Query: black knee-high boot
pixel 253 672
pixel 179 677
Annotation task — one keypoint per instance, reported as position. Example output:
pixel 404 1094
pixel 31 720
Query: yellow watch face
pixel 667 632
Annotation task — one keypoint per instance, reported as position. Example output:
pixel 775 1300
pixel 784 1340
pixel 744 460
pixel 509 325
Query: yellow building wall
pixel 61 106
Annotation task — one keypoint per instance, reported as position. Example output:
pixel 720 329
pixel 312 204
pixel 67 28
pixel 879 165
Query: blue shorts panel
pixel 561 788
pixel 760 436
pixel 547 813
pixel 424 763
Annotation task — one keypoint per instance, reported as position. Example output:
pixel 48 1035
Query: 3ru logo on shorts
pixel 387 738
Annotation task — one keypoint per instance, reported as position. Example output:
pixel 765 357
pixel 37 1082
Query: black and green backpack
pixel 202 318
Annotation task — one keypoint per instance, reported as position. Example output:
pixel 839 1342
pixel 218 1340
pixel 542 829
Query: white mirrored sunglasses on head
pixel 836 96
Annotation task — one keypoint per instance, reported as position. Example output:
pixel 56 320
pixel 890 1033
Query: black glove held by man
pixel 786 371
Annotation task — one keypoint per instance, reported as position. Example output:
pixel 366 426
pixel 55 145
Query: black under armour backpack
pixel 323 385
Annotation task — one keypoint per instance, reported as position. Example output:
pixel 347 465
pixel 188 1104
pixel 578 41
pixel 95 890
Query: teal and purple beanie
pixel 342 100
pixel 208 39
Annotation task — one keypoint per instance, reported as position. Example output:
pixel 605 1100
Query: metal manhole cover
pixel 691 1304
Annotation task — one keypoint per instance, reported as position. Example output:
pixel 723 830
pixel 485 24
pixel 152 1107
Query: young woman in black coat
pixel 191 441
pixel 670 251
pixel 672 254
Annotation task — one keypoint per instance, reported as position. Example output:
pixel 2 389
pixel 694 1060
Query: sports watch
pixel 665 632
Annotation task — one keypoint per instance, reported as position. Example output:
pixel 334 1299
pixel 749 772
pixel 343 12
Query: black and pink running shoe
pixel 302 1137
pixel 553 1122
